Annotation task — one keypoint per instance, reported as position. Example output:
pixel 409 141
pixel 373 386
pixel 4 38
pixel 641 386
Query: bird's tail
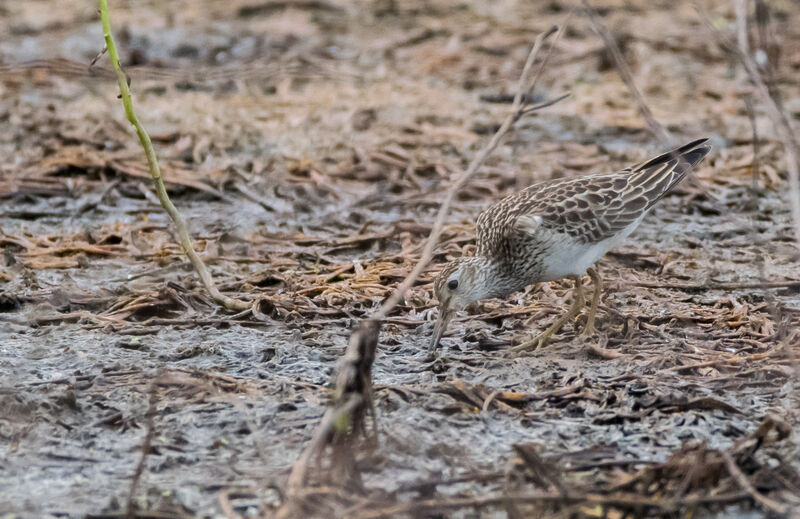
pixel 657 176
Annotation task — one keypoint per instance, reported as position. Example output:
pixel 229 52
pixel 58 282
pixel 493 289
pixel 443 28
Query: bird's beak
pixel 445 314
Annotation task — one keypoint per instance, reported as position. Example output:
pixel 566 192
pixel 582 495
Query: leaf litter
pixel 308 144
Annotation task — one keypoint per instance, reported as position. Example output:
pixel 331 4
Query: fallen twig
pixel 737 474
pixel 544 473
pixel 604 353
pixel 155 172
pixel 737 359
pixel 628 501
pixel 344 419
pixel 148 440
pixel 695 287
pixel 225 505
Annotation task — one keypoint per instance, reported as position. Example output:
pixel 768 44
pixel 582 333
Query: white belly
pixel 567 257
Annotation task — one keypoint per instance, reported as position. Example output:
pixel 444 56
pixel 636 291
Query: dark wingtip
pixel 694 151
pixel 678 161
pixel 691 152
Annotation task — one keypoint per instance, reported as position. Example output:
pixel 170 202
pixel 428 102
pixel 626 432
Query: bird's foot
pixel 589 330
pixel 540 341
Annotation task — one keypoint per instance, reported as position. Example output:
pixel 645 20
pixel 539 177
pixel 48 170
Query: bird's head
pixel 458 284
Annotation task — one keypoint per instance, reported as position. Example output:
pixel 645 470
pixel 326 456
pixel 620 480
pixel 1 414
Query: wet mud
pixel 309 145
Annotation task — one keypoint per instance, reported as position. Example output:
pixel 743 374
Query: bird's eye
pixel 452 284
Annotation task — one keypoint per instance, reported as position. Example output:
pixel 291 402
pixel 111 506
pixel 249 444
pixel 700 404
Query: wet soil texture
pixel 309 145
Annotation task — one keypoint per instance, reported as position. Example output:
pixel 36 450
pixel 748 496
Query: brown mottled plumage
pixel 558 229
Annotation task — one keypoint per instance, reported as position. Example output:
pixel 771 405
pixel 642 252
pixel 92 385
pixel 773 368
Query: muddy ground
pixel 309 145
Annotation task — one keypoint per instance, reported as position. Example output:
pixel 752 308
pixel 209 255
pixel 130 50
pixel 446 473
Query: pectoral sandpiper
pixel 557 229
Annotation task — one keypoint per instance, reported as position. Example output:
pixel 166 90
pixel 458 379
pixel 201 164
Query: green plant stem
pixel 155 172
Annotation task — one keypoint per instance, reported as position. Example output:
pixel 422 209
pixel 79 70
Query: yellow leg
pixel 577 304
pixel 598 286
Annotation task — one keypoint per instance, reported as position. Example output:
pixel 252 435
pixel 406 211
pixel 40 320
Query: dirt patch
pixel 308 145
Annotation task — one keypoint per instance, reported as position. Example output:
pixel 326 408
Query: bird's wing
pixel 591 208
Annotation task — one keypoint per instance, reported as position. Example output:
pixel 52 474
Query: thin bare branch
pixel 149 419
pixel 740 8
pixel 181 229
pixel 779 119
pixel 351 401
pixel 545 104
pixel 352 397
pixel 737 474
pixel 655 127
pixel 517 108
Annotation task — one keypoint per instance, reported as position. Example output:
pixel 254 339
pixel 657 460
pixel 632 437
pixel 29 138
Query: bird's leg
pixel 598 286
pixel 577 304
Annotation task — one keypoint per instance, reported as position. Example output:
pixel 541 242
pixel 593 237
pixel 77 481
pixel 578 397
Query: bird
pixel 558 229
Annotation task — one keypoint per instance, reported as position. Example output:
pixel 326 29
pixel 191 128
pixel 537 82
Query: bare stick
pixel 751 114
pixel 351 400
pixel 737 474
pixel 155 171
pixel 769 297
pixel 740 7
pixel 148 440
pixel 655 127
pixel 518 108
pixel 297 478
pixel 697 287
pixel 769 95
pixel 779 119
pixel 353 386
pixel 225 505
pixel 625 500
pixel 660 133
